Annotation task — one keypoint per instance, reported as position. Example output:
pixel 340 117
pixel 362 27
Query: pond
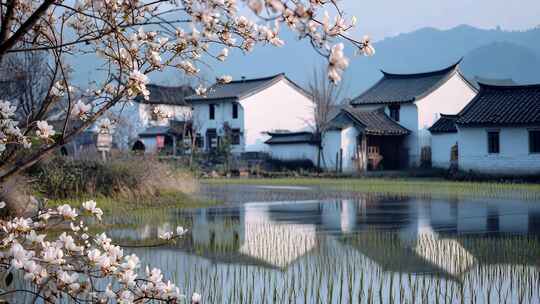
pixel 312 245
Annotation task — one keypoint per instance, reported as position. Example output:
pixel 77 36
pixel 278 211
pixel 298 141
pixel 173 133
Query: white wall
pixel 349 146
pixel 298 151
pixel 449 98
pixel 223 114
pixel 279 107
pixel 331 143
pixel 441 145
pixel 514 156
pixel 150 144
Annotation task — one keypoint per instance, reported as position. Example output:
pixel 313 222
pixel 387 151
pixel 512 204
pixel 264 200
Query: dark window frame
pixel 494 141
pixel 534 141
pixel 212 111
pixel 235 106
pixel 394 111
pixel 236 136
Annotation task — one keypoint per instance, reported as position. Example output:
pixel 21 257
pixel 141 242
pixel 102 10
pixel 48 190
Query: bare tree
pixel 25 79
pixel 328 99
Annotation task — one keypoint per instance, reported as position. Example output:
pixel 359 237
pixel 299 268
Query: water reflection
pixel 389 249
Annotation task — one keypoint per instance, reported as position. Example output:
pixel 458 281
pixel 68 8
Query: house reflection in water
pixel 400 234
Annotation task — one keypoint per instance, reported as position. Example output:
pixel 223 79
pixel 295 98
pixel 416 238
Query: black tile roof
pixel 240 89
pixel 291 138
pixel 157 130
pixel 167 95
pixel 375 122
pixel 405 88
pixel 445 124
pixel 503 105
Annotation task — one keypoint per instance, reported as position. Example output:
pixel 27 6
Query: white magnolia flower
pixel 131 262
pixel 338 62
pixel 181 230
pixel 200 90
pixel 33 237
pixel 2 205
pixel 224 79
pixel 67 212
pixel 137 82
pixel 44 130
pixel 71 280
pixel 52 254
pixel 223 54
pixel 167 235
pixel 196 298
pixel 367 49
pixel 6 109
pixel 128 277
pixel 81 110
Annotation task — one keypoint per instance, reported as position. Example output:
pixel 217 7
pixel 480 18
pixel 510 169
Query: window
pixel 534 141
pixel 493 142
pixel 235 110
pixel 212 111
pixel 394 112
pixel 235 137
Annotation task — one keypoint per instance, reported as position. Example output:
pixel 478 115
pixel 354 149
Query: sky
pixel 384 18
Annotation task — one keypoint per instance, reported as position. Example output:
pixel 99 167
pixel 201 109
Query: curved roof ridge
pixel 258 79
pixel 424 74
pixel 508 86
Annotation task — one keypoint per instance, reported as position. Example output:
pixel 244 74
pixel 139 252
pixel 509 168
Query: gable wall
pixel 449 98
pixel 279 107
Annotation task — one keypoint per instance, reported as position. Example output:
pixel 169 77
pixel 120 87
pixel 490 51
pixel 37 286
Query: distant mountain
pixel 487 53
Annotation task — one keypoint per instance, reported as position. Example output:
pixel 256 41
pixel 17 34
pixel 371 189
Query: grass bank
pixel 406 186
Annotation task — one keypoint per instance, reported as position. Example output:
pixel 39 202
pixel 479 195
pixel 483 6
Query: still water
pixel 310 245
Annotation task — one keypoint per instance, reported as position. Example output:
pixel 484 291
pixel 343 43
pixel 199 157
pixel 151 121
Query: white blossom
pixel 44 130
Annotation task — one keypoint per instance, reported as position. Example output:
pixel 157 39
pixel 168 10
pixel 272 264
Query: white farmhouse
pixel 152 125
pixel 245 110
pixel 499 131
pixel 388 125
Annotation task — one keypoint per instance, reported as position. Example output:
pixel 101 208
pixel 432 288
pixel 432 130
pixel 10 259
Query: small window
pixel 394 112
pixel 534 141
pixel 493 142
pixel 212 111
pixel 235 110
pixel 235 136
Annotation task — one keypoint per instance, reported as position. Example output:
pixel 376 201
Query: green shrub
pixel 122 177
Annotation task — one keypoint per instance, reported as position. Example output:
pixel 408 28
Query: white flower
pixel 45 130
pixel 91 206
pixel 57 89
pixel 200 90
pixel 94 255
pixel 126 297
pixel 69 243
pixel 181 230
pixel 81 110
pixel 196 298
pixel 52 254
pixel 69 280
pixel 338 62
pixel 131 262
pixel 224 79
pixel 2 205
pixel 33 237
pixel 367 48
pixel 6 109
pixel 67 212
pixel 223 54
pixel 137 82
pixel 167 235
pixel 128 277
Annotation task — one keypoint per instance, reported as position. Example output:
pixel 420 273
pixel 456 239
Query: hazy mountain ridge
pixel 488 53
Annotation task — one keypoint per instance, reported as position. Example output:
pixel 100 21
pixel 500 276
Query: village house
pixel 499 131
pixel 245 110
pixel 159 123
pixel 386 127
